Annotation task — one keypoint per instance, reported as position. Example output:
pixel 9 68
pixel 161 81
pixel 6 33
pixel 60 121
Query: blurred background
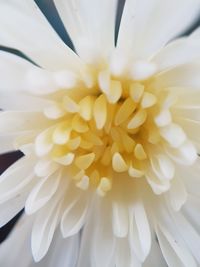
pixel 48 8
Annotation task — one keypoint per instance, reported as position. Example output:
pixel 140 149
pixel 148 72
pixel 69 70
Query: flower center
pixel 118 125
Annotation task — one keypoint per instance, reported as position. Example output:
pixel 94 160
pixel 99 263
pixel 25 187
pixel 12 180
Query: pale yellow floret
pixel 124 111
pixel 138 119
pixel 136 91
pixel 70 105
pixel 118 163
pixel 104 186
pixel 139 152
pixel 100 111
pixel 84 161
pixel 148 100
pixel 108 129
pixel 86 107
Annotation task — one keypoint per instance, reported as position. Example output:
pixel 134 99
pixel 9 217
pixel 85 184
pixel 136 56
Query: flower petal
pixel 186 75
pixel 177 193
pixel 74 217
pixel 175 254
pixel 19 121
pixel 44 227
pixel 163 19
pixel 89 23
pixel 120 219
pixel 43 45
pixel 103 245
pixel 16 178
pixel 155 257
pixel 140 235
pixel 20 236
pixel 42 193
pixel 177 53
pixel 12 207
pixel 123 255
pixel 62 252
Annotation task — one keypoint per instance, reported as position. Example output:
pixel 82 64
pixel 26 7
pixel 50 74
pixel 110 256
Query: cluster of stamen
pixel 106 129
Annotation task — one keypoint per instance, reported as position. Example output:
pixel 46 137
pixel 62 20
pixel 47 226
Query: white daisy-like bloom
pixel 110 135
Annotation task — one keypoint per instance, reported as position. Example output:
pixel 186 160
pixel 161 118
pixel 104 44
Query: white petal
pixel 16 178
pixel 26 78
pixel 20 236
pixel 62 252
pixel 158 185
pixel 89 23
pixel 12 207
pixel 190 209
pixel 45 167
pixel 186 75
pixel 44 228
pixel 86 245
pixel 177 193
pixel 20 102
pixel 142 70
pixel 174 253
pixel 123 255
pixel 120 219
pixel 177 53
pixel 191 127
pixel 155 257
pixel 173 134
pixel 74 217
pixel 16 121
pixel 144 29
pixel 43 45
pixel 7 143
pixel 42 193
pixel 12 72
pixel 162 166
pixel 43 142
pixel 186 154
pixel 190 178
pixel 140 235
pixel 103 245
pixel 189 234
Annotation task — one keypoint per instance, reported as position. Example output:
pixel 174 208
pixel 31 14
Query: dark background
pixel 50 12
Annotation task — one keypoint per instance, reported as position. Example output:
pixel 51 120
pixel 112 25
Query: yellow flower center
pixel 110 128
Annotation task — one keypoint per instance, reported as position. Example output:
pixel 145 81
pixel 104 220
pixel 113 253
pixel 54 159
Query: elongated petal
pixel 186 75
pixel 155 257
pixel 7 143
pixel 120 219
pixel 16 178
pixel 62 252
pixel 124 256
pixel 43 45
pixel 74 217
pixel 140 236
pixel 19 121
pixel 177 193
pixel 89 23
pixel 12 207
pixel 176 255
pixel 42 193
pixel 21 236
pixel 163 19
pixel 189 234
pixel 103 245
pixel 44 228
pixel 177 53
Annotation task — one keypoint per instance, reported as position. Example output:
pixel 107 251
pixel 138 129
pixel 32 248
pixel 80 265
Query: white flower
pixel 110 135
